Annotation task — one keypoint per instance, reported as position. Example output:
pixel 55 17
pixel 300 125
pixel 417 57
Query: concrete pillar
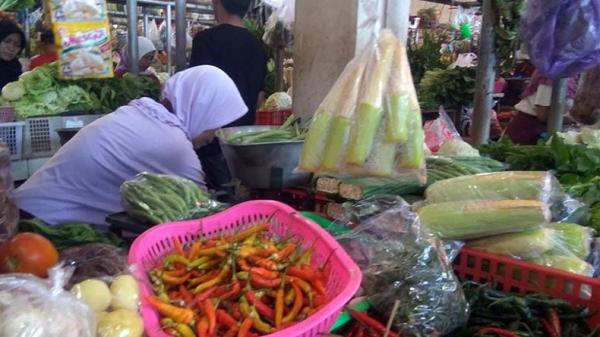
pixel 328 34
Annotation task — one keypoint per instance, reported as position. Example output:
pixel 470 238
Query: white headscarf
pixel 145 46
pixel 204 98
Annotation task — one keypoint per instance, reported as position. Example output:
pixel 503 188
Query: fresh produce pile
pixel 369 124
pixel 39 93
pixel 289 131
pixel 68 235
pixel 452 88
pixel 576 166
pixel 116 307
pixel 494 313
pixel 517 209
pixel 155 199
pixel 244 284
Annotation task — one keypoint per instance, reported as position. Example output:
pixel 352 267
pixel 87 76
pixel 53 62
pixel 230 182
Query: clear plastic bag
pixel 402 261
pixel 369 124
pixel 158 199
pixel 9 212
pixel 439 131
pixel 34 307
pixel 154 35
pixel 561 36
pixel 279 26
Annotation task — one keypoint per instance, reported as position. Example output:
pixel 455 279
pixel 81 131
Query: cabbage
pixel 278 101
pixel 13 91
pixel 457 147
pixel 38 81
pixel 590 137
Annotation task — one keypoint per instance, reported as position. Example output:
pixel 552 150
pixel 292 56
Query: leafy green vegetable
pixel 13 91
pixel 426 56
pixel 68 235
pixel 452 88
pixel 15 5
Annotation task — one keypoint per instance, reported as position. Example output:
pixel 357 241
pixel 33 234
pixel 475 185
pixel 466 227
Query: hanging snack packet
pixel 369 124
pixel 77 10
pixel 84 50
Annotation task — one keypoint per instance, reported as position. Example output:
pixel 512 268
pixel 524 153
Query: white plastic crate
pixel 12 135
pixel 41 139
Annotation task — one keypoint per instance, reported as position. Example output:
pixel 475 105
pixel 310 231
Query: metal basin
pixel 264 165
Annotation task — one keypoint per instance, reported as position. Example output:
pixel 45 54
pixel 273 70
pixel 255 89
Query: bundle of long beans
pixel 289 131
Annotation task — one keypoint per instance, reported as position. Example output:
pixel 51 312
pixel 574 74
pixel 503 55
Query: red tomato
pixel 28 253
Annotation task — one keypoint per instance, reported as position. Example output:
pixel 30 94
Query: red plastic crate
pixel 516 276
pixel 272 117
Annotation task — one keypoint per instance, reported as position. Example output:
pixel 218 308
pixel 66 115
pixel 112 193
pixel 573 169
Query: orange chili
pixel 225 318
pixel 245 327
pixel 268 274
pixel 202 327
pixel 279 304
pixel 178 247
pixel 209 311
pixel 298 301
pixel 179 315
pixel 261 282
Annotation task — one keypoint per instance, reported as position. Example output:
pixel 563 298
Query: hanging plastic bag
pixel 9 213
pixel 279 26
pixel 402 261
pixel 439 131
pixel 154 35
pixel 562 36
pixel 369 124
pixel 35 307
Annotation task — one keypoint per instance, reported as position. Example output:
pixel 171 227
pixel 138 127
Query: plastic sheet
pixel 561 36
pixel 369 124
pixel 402 261
pixel 279 26
pixel 34 307
pixel 162 198
pixel 439 131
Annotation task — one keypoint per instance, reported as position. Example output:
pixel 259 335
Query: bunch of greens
pixel 507 30
pixel 69 235
pixel 40 93
pixel 16 5
pixel 452 88
pixel 426 56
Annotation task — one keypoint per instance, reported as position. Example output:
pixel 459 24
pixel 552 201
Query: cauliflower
pixel 278 101
pixel 457 147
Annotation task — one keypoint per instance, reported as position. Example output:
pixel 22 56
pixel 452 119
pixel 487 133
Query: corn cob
pixel 475 219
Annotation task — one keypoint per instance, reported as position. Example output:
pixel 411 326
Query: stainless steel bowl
pixel 264 165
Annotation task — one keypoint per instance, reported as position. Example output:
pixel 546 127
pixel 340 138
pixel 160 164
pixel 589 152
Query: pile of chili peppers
pixel 246 284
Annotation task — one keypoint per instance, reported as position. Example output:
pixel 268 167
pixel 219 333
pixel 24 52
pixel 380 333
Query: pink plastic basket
pixel 344 275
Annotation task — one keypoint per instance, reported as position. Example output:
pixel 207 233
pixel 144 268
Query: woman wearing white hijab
pixel 80 183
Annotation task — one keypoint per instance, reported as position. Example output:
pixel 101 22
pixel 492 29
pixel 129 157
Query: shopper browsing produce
pixel 529 124
pixel 81 182
pixel 47 50
pixel 232 48
pixel 146 55
pixel 12 42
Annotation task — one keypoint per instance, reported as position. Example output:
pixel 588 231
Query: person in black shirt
pixel 232 48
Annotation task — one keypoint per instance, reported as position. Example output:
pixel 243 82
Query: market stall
pixel 385 221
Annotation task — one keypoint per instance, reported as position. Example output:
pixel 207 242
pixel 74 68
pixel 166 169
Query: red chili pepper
pixel 554 320
pixel 268 274
pixel 236 288
pixel 235 311
pixel 210 312
pixel 285 252
pixel 245 327
pixel 263 262
pixel 372 323
pixel 201 297
pixel 549 328
pixel 243 264
pixel 496 331
pixel 298 301
pixel 178 247
pixel 202 327
pixel 305 272
pixel 261 307
pixel 201 279
pixel 186 296
pixel 232 332
pixel 279 304
pixel 225 318
pixel 319 287
pixel 174 273
pixel 174 281
pixel 195 248
pixel 261 282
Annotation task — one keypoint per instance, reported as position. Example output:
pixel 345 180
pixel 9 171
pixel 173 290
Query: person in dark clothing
pixel 12 42
pixel 232 48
